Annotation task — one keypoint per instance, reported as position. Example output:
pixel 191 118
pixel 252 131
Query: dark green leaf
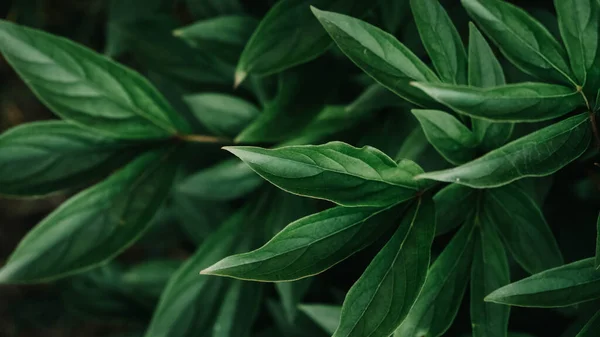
pixel 291 294
pixel 488 273
pixel 326 316
pixel 238 310
pixel 86 88
pixel 597 261
pixel 592 328
pixel 310 245
pixel 559 287
pixel 379 54
pixel 380 300
pixel 452 139
pixel 393 14
pixel 439 301
pixel 44 157
pixel 290 26
pixel 522 39
pixel 441 40
pixel 222 114
pixel 336 171
pixel 535 155
pixel 95 225
pixel 523 228
pixel 453 204
pixel 524 102
pixel 211 8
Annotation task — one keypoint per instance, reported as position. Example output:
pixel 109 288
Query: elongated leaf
pixel 579 22
pixel 524 102
pixel 485 71
pixel 380 300
pixel 222 114
pixel 522 39
pixel 439 301
pixel 488 273
pixel 336 172
pixel 228 180
pixel 559 287
pixel 86 88
pixel 592 328
pixel 309 246
pixel 326 316
pixel 378 54
pixel 523 228
pixel 44 157
pixel 239 310
pixel 452 139
pixel 95 225
pixel 453 204
pixel 441 40
pixel 291 294
pixel 289 35
pixel 597 262
pixel 535 155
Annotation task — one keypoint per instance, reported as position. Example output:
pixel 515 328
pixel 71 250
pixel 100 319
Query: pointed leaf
pixel 379 54
pixel 309 246
pixel 535 155
pixel 326 316
pixel 336 171
pixel 380 300
pixel 453 204
pixel 523 102
pixel 522 39
pixel 439 301
pixel 452 139
pixel 441 40
pixel 559 287
pixel 86 88
pixel 95 225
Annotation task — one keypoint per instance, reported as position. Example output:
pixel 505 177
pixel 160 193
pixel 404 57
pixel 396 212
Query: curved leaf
pixel 453 204
pixel 592 328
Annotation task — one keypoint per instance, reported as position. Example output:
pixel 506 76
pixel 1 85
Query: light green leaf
pixel 44 157
pixel 579 22
pixel 485 71
pixel 523 228
pixel 95 225
pixel 536 155
pixel 310 245
pixel 559 287
pixel 523 102
pixel 441 40
pixel 222 114
pixel 439 301
pixel 335 171
pixel 86 88
pixel 289 26
pixel 489 272
pixel 380 300
pixel 326 316
pixel 452 139
pixel 379 54
pixel 228 180
pixel 239 309
pixel 592 328
pixel 522 39
pixel 453 204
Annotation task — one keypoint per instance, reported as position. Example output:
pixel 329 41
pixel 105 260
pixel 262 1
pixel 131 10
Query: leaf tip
pixel 240 76
pixel 177 32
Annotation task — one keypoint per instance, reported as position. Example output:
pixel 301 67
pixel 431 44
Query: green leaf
pixel 536 155
pixel 393 14
pixel 592 328
pixel 239 309
pixel 453 204
pixel 522 39
pixel 44 157
pixel 86 88
pixel 489 272
pixel 222 114
pixel 378 54
pixel 326 316
pixel 441 40
pixel 95 225
pixel 579 22
pixel 335 171
pixel 597 261
pixel 290 26
pixel 310 245
pixel 439 301
pixel 559 287
pixel 485 71
pixel 291 294
pixel 187 294
pixel 380 300
pixel 453 140
pixel 228 180
pixel 523 228
pixel 210 8
pixel 523 102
